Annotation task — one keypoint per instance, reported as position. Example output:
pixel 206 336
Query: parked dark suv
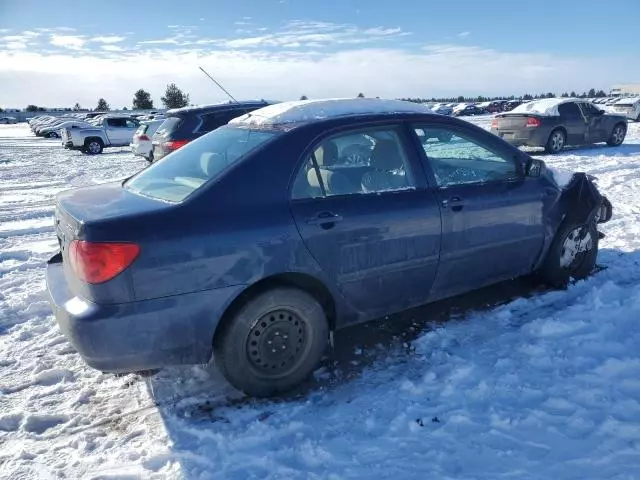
pixel 185 124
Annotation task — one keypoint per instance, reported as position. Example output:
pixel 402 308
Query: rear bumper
pixel 139 335
pixel 70 146
pixel 531 137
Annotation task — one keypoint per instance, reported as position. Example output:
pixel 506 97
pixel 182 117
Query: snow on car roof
pixel 545 106
pixel 308 110
pixel 627 101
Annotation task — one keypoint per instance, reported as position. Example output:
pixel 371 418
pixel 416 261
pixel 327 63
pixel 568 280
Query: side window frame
pixel 490 145
pixel 414 163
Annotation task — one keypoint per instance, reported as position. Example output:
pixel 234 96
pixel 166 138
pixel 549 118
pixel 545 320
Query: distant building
pixel 628 89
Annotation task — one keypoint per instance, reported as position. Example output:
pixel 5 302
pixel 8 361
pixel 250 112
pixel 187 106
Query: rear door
pixel 572 118
pixel 492 224
pixel 372 225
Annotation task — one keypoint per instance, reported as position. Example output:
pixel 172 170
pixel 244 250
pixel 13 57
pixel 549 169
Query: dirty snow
pixel 305 110
pixel 540 386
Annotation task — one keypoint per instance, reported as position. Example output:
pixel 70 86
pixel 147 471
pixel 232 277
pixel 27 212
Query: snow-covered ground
pixel 546 386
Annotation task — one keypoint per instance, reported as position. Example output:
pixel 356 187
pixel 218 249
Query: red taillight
pixel 95 262
pixel 533 122
pixel 144 137
pixel 172 145
pixel 494 123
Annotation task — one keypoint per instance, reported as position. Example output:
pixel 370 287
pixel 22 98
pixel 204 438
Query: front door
pixel 596 124
pixel 492 225
pixel 362 209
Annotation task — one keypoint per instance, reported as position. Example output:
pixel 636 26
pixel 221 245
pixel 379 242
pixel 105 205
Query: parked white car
pixel 142 144
pixel 442 109
pixel 113 131
pixel 7 120
pixel 629 107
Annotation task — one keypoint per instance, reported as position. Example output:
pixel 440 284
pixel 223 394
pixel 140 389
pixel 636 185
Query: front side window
pixel 458 159
pixel 131 123
pixel 368 161
pixel 185 170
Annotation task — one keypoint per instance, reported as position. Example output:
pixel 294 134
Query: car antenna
pixel 221 87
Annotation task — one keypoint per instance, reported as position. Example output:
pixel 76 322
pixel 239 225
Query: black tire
pixel 93 146
pixel 556 142
pixel 52 135
pixel 617 135
pixel 286 319
pixel 554 272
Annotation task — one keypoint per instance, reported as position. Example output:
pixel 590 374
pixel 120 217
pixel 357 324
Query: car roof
pixel 309 111
pixel 215 106
pixel 544 106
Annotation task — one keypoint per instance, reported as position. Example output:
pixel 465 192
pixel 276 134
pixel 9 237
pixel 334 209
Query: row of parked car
pixel 153 136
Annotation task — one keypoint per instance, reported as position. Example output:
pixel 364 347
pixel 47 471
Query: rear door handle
pixel 454 203
pixel 325 219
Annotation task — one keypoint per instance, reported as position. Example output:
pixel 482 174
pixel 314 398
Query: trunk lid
pixel 513 121
pixel 104 213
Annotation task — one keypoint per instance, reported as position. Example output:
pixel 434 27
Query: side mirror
pixel 534 168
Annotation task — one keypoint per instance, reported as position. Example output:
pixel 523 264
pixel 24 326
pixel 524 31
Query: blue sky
pixel 286 48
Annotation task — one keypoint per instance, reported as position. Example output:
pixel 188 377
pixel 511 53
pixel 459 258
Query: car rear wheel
pixel 93 146
pixel 556 141
pixel 572 254
pixel 617 135
pixel 52 135
pixel 273 343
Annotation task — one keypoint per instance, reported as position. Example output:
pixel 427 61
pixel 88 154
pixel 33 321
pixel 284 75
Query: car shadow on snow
pixel 195 402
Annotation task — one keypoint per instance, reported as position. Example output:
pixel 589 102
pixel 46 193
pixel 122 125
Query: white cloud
pixel 109 39
pixel 464 34
pixel 72 42
pixel 112 48
pixel 436 70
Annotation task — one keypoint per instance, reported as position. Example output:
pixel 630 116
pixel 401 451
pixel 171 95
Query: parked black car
pixel 553 123
pixel 469 110
pixel 183 125
pixel 510 105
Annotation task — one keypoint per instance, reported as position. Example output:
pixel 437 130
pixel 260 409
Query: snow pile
pixel 546 106
pixel 544 385
pixel 307 110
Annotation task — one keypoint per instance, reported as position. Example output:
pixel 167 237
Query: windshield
pixel 184 171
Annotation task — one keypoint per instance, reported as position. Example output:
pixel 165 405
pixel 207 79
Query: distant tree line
pixel 173 98
pixel 592 93
pixel 176 98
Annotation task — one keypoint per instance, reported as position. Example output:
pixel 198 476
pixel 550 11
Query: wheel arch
pixel 94 137
pixel 303 281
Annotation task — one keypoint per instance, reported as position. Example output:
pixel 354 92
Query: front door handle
pixel 325 220
pixel 454 203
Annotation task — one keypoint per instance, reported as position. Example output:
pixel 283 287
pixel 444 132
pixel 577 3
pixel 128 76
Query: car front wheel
pixel 273 343
pixel 572 254
pixel 617 135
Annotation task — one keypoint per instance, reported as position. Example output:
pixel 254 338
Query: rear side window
pixel 184 171
pixel 117 122
pixel 569 111
pixel 169 125
pixel 215 119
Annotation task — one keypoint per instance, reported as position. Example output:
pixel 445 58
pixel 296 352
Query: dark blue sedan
pixel 255 241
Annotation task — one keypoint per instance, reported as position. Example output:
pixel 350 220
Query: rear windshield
pixel 169 125
pixel 184 171
pixel 142 129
